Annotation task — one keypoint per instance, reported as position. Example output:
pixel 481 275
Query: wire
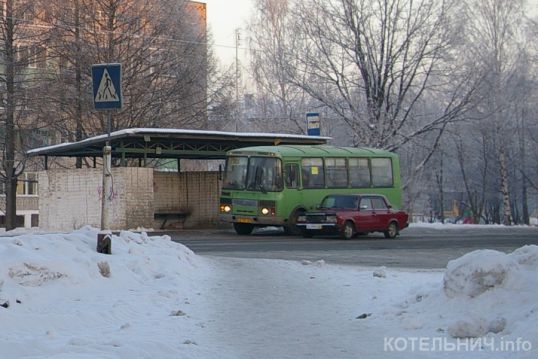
pixel 169 39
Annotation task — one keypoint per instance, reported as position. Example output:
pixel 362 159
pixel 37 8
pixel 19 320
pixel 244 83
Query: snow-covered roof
pixel 171 143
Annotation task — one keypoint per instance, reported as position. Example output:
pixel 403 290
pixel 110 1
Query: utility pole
pixel 237 44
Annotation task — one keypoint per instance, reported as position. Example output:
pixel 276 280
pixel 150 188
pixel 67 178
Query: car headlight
pixel 330 218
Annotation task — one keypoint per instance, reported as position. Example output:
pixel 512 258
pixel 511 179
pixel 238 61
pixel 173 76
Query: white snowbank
pixel 154 298
pixel 483 293
pixel 476 272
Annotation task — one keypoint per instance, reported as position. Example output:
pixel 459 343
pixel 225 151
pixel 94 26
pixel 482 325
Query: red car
pixel 349 214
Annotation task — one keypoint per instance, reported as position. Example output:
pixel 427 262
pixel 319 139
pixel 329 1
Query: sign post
pixel 106 81
pixel 313 124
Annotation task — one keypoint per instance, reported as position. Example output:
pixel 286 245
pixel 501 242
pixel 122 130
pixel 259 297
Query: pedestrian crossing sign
pixel 106 81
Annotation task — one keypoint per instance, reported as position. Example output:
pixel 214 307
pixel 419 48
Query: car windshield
pixel 262 174
pixel 347 202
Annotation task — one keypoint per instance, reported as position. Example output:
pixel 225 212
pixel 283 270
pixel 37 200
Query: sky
pixel 154 298
pixel 224 17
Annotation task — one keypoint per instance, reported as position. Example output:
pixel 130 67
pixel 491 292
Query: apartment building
pixel 49 47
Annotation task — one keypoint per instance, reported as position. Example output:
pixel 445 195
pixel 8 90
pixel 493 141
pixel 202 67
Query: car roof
pixel 355 195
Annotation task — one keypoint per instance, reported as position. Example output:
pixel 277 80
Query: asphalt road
pixel 415 248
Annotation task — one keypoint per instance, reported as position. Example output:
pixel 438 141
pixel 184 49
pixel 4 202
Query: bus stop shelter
pixel 143 197
pixel 144 143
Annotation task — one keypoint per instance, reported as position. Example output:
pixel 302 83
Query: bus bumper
pixel 260 221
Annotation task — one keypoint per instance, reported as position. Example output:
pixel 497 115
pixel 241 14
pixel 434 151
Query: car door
pixel 365 218
pixel 382 212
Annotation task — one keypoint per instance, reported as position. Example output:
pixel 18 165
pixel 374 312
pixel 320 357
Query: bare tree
pixel 272 36
pixel 21 80
pixel 375 62
pixel 162 46
pixel 495 35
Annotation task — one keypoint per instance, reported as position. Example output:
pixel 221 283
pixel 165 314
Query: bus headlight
pixel 267 208
pixel 225 207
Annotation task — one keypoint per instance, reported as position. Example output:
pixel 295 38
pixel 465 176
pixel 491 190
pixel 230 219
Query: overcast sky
pixel 223 18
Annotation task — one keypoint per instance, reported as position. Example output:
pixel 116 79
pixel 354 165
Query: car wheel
pixel 307 234
pixel 392 230
pixel 243 229
pixel 349 230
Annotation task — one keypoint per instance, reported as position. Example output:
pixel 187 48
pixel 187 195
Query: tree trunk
pixel 9 162
pixel 507 211
pixel 11 203
pixel 78 81
pixel 441 191
pixel 523 160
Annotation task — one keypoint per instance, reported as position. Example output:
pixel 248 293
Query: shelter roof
pixel 171 143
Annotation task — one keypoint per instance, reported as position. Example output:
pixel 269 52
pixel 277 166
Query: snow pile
pixel 477 272
pixel 58 295
pixel 154 298
pixel 36 260
pixel 483 293
pixel 498 289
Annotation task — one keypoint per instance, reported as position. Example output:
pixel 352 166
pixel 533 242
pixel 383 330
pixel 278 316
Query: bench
pixel 170 215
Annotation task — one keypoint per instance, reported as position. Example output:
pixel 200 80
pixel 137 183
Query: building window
pixel 28 14
pixel 32 56
pixel 27 184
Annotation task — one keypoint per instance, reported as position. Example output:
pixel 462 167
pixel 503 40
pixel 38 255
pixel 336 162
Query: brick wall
pixel 196 192
pixel 70 199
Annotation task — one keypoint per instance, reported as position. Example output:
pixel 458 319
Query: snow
pixel 171 131
pixel 154 298
pixel 459 226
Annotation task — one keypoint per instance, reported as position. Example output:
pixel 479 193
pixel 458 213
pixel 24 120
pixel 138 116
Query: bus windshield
pixel 262 174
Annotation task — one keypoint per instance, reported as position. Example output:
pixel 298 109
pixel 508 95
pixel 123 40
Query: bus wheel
pixel 392 230
pixel 349 230
pixel 243 229
pixel 291 228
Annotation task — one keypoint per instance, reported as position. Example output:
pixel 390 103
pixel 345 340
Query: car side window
pixel 366 204
pixel 379 203
pixel 346 202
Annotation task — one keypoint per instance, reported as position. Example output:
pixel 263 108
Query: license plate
pixel 244 220
pixel 313 226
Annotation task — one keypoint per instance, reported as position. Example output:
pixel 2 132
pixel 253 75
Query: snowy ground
pixel 154 298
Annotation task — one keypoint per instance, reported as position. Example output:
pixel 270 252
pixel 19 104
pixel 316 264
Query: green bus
pixel 273 185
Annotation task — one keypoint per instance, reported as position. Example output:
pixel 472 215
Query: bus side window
pixel 313 173
pixel 290 173
pixel 382 172
pixel 359 172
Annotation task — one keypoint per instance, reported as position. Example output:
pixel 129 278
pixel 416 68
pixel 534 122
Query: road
pixel 416 247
